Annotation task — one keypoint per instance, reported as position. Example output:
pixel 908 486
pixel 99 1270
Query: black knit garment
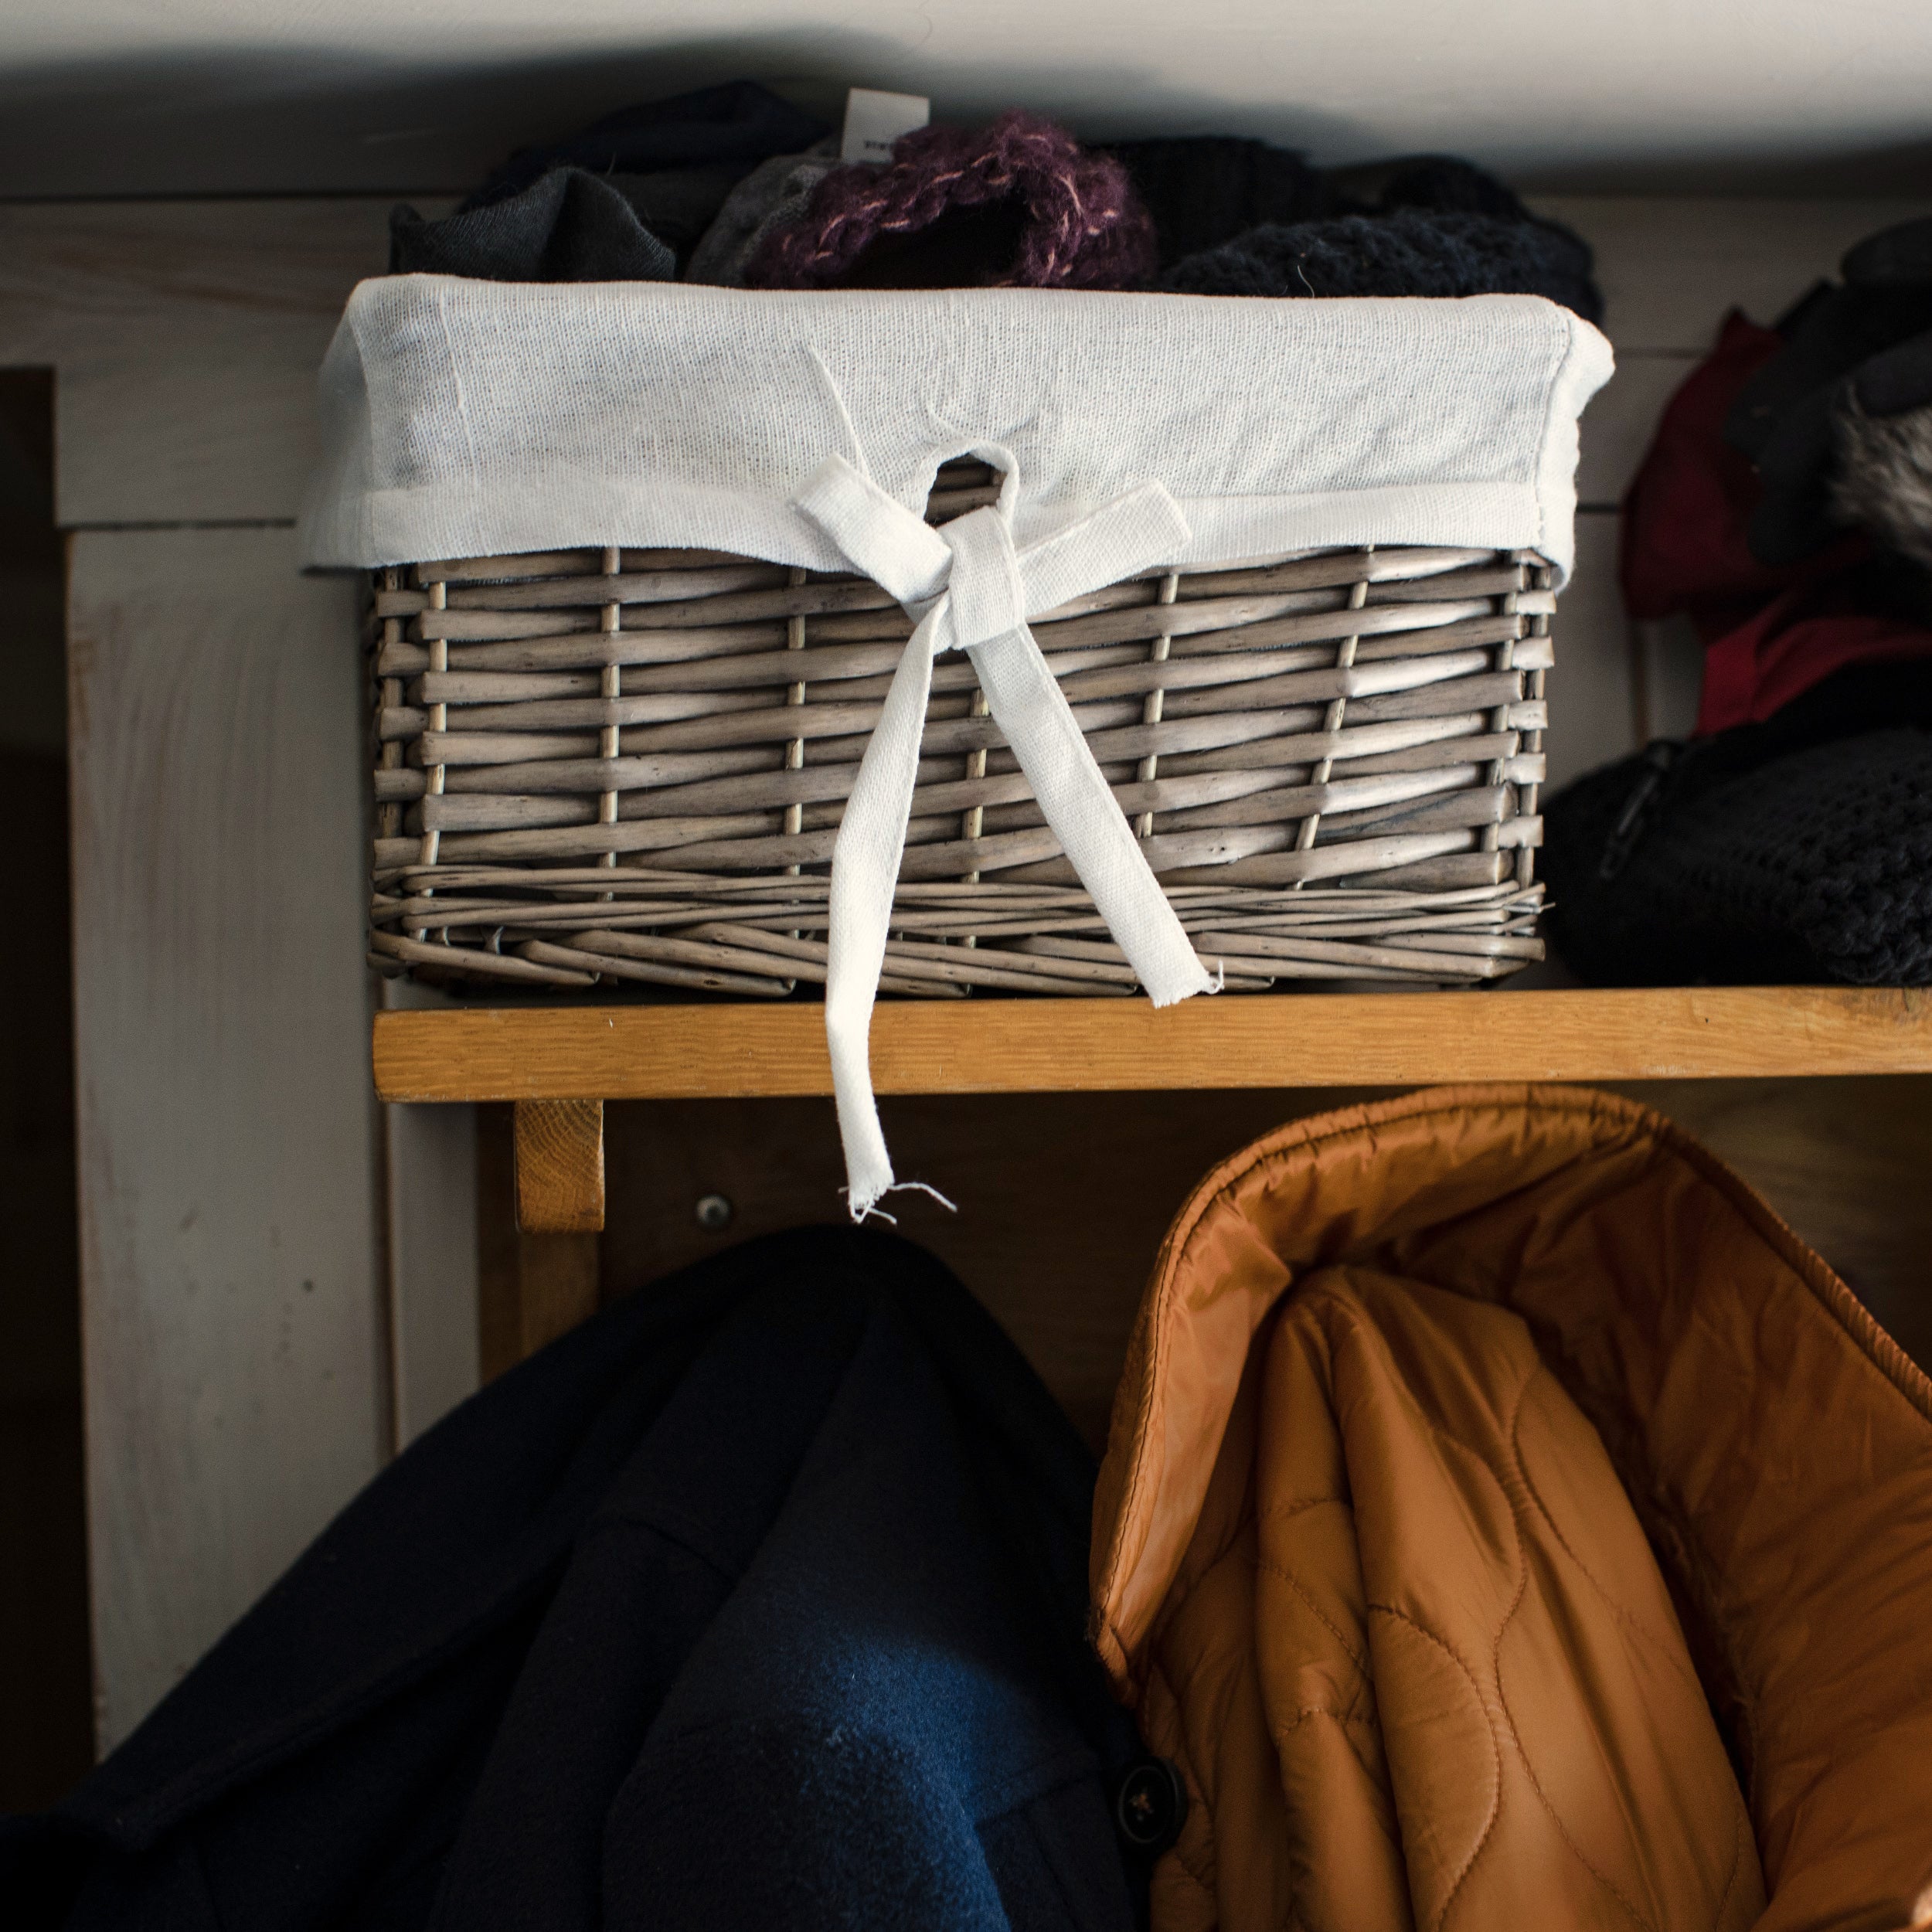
pixel 1777 854
pixel 1408 251
pixel 1203 190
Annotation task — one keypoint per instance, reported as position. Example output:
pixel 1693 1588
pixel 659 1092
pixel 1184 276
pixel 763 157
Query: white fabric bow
pixel 970 590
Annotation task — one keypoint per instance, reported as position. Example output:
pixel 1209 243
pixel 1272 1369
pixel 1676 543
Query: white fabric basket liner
pixel 468 418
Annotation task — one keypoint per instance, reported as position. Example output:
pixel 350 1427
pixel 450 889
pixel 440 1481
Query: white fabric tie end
pixel 862 1211
pixel 970 590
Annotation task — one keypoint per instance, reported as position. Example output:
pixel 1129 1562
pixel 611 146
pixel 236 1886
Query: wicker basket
pixel 630 766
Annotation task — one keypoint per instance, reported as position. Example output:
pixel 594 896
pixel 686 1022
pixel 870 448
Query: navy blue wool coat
pixel 758 1601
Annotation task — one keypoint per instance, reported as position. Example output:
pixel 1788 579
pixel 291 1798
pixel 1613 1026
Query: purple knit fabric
pixel 1083 226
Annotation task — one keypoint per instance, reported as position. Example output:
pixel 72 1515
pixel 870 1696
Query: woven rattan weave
pixel 630 765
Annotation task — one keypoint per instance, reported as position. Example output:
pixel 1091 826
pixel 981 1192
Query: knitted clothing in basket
pixel 1408 251
pixel 1080 224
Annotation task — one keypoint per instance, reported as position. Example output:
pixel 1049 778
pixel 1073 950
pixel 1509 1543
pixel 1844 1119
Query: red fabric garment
pixel 1768 633
pixel 1796 640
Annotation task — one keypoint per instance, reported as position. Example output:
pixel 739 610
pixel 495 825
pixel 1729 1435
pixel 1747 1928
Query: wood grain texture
pixel 559 1166
pixel 235 1348
pixel 1056 1045
pixel 1062 1198
pixel 556 1286
pixel 530 1288
pixel 185 336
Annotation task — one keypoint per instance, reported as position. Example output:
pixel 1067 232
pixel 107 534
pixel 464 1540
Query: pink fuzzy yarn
pixel 1083 226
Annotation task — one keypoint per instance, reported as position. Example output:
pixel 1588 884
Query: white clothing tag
pixel 875 120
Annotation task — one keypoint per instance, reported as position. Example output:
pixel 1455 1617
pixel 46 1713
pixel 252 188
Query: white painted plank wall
pixel 429 1163
pixel 230 1154
pixel 236 1387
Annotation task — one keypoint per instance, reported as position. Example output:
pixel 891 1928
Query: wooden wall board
pixel 234 1350
pixel 430 1218
pixel 1617 426
pixel 1671 269
pixel 1592 688
pixel 1062 1198
pixel 186 336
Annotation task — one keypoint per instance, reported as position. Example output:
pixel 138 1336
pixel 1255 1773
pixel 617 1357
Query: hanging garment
pixel 756 1601
pixel 1794 850
pixel 1859 348
pixel 1883 481
pixel 1507 1521
pixel 1770 632
pixel 1134 434
pixel 1019 204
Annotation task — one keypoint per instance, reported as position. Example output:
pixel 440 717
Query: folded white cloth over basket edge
pixel 475 419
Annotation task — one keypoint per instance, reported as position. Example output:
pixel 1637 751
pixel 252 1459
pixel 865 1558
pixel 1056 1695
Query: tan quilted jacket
pixel 1508 1522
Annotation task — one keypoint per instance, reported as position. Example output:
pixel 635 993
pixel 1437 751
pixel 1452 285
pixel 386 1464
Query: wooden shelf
pixel 596 1052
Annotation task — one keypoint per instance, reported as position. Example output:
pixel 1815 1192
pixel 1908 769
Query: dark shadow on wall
pixel 285 118
pixel 1064 1197
pixel 46 1724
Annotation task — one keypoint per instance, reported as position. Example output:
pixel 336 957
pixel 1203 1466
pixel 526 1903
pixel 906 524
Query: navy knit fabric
pixel 1794 851
pixel 1408 251
pixel 759 1600
pixel 1205 189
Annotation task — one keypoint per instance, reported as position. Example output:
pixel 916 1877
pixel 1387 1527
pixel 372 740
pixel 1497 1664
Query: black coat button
pixel 1151 1805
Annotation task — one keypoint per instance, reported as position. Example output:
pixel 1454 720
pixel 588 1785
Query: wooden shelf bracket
pixel 559 1167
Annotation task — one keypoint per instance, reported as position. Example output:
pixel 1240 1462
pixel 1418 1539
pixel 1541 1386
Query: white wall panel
pixel 233 1348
